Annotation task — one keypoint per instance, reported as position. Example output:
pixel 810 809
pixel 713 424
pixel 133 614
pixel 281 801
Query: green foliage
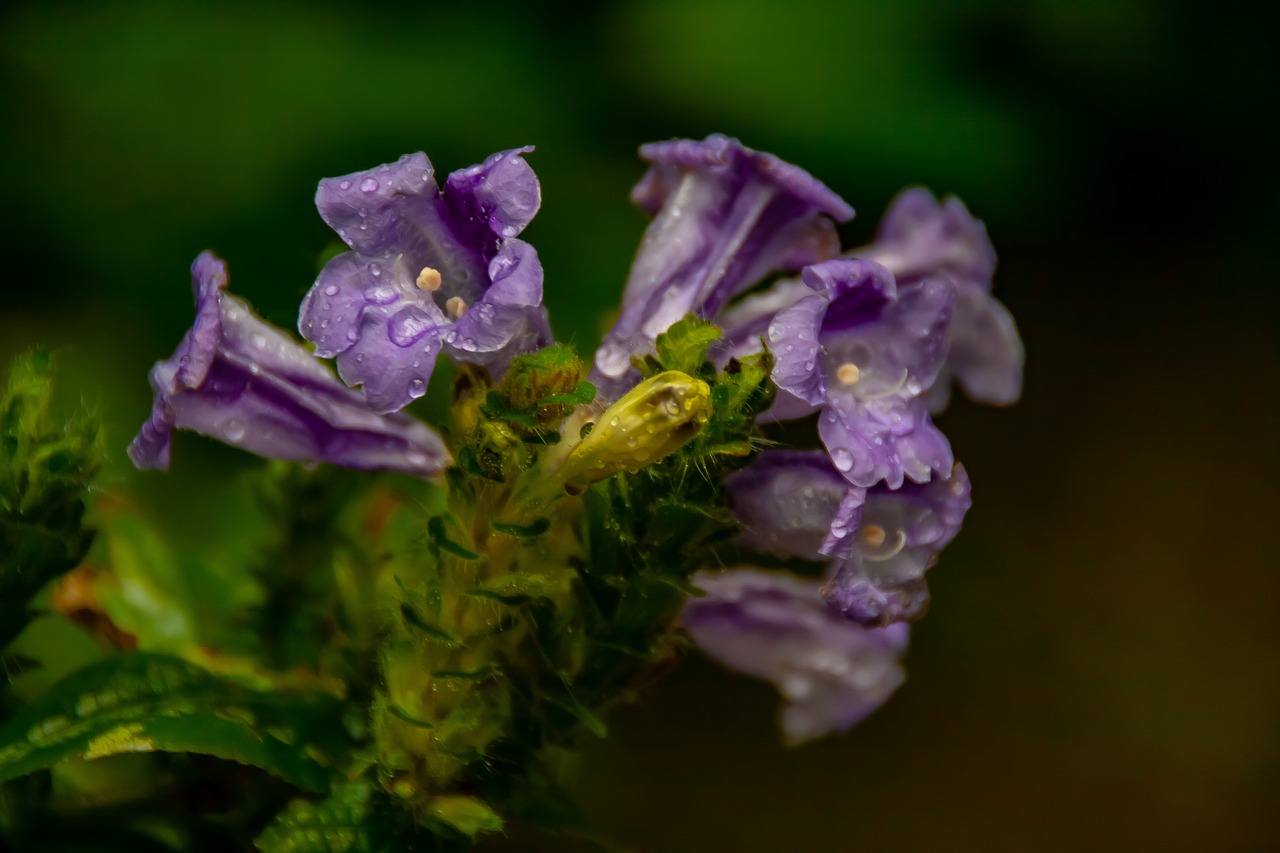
pixel 173 603
pixel 45 466
pixel 339 823
pixel 144 703
pixel 476 635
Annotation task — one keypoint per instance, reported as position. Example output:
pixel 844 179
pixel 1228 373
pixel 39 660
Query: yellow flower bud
pixel 653 420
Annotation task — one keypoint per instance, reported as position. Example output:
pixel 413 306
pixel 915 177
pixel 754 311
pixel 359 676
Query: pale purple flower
pixel 793 503
pixel 831 671
pixel 430 270
pixel 920 237
pixel 861 350
pixel 725 218
pixel 243 381
pixel 882 578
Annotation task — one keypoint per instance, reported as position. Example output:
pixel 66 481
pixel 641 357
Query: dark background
pixel 1100 665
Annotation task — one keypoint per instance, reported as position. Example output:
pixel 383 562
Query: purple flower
pixel 725 217
pixel 247 383
pixel 862 350
pixel 793 503
pixel 921 237
pixel 429 270
pixel 881 580
pixel 831 671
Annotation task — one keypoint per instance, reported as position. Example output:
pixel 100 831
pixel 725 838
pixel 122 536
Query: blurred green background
pixel 1100 666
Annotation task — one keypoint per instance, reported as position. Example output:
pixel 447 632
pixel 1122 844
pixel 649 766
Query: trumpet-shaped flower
pixel 861 350
pixel 241 380
pixel 429 270
pixel 902 531
pixel 831 671
pixel 725 218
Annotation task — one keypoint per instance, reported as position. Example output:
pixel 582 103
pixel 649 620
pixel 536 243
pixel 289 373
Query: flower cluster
pixel 868 341
pixel 561 571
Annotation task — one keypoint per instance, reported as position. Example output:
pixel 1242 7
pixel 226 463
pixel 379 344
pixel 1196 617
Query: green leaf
pixel 144 702
pixel 465 814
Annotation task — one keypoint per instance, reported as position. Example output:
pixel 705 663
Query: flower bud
pixel 653 420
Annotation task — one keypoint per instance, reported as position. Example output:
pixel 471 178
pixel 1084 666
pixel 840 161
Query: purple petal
pixel 509 319
pixel 395 353
pixel 502 193
pixel 332 310
pixel 883 578
pixel 831 671
pixel 873 605
pixel 794 339
pixel 745 323
pixel 921 237
pixel 885 439
pixel 725 217
pixel 245 382
pixel 986 351
pixel 794 504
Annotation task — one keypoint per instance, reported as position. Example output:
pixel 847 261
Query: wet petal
pixel 240 380
pixel 831 671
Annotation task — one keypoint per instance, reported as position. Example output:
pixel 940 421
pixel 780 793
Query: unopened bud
pixel 653 420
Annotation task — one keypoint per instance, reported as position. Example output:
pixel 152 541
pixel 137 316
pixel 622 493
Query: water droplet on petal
pixel 369 185
pixel 233 430
pixel 842 458
pixel 417 387
pixel 331 290
pixel 345 185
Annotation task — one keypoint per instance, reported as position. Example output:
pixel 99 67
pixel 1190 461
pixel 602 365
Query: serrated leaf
pixel 145 702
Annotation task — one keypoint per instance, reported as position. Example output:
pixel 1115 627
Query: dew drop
pixel 369 185
pixel 345 185
pixel 416 459
pixel 259 340
pixel 233 430
pixel 331 290
pixel 375 270
pixel 842 458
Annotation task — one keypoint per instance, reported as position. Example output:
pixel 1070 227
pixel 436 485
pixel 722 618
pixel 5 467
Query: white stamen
pixel 895 551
